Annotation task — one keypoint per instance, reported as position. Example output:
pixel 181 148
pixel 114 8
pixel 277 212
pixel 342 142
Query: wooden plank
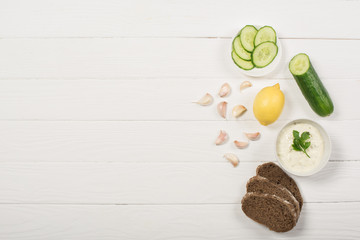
pixel 111 18
pixel 40 222
pixel 159 183
pixel 159 57
pixel 156 99
pixel 168 142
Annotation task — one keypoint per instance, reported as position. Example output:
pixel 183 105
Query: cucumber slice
pixel 247 36
pixel 239 50
pixel 265 34
pixel 299 65
pixel 241 63
pixel 310 85
pixel 264 54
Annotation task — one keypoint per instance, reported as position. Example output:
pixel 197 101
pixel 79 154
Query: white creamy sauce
pixel 297 161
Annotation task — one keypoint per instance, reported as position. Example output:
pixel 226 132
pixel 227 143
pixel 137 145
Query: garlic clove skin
pixel 245 84
pixel 232 158
pixel 241 145
pixel 221 108
pixel 206 100
pixel 253 136
pixel 238 110
pixel 221 139
pixel 225 90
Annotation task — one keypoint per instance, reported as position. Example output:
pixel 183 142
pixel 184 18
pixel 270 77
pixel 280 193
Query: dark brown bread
pixel 269 210
pixel 260 184
pixel 276 175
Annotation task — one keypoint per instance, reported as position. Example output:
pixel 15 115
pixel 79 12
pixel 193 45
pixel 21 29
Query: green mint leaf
pixel 300 143
pixel 296 134
pixel 296 147
pixel 305 136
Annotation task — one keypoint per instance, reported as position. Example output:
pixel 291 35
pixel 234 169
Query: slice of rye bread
pixel 276 175
pixel 260 184
pixel 270 210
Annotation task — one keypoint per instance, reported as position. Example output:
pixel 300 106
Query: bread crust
pixel 275 174
pixel 270 210
pixel 254 185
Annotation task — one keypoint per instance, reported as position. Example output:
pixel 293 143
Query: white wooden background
pixel 99 138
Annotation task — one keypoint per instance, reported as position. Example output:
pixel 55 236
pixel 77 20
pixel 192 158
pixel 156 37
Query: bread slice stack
pixel 273 198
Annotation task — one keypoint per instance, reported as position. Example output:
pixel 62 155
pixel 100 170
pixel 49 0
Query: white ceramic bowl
pixel 260 72
pixel 327 148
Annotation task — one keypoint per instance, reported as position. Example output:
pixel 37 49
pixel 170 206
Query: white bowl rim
pixel 326 157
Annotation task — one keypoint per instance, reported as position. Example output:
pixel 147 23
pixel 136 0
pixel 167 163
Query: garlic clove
pixel 244 85
pixel 223 136
pixel 232 158
pixel 221 108
pixel 253 136
pixel 238 110
pixel 241 145
pixel 207 99
pixel 225 90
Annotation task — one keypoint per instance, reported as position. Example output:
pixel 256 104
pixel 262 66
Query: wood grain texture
pixel 158 57
pixel 157 99
pixel 99 138
pixel 159 183
pixel 161 18
pixel 147 142
pixel 188 222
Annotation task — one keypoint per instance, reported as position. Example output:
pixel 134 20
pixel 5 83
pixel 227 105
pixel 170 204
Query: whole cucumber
pixel 310 85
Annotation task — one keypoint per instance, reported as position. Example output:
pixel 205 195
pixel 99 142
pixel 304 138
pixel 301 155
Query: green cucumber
pixel 239 50
pixel 241 63
pixel 247 36
pixel 264 54
pixel 310 85
pixel 265 34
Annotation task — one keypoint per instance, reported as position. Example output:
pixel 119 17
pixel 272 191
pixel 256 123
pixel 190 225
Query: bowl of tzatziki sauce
pixel 300 160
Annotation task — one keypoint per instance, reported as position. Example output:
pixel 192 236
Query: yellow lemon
pixel 268 104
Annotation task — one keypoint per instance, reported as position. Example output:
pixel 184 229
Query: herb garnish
pixel 300 143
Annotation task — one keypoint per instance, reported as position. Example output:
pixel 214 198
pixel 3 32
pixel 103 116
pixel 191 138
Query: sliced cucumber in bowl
pixel 265 34
pixel 241 63
pixel 264 54
pixel 239 50
pixel 247 36
pixel 264 58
